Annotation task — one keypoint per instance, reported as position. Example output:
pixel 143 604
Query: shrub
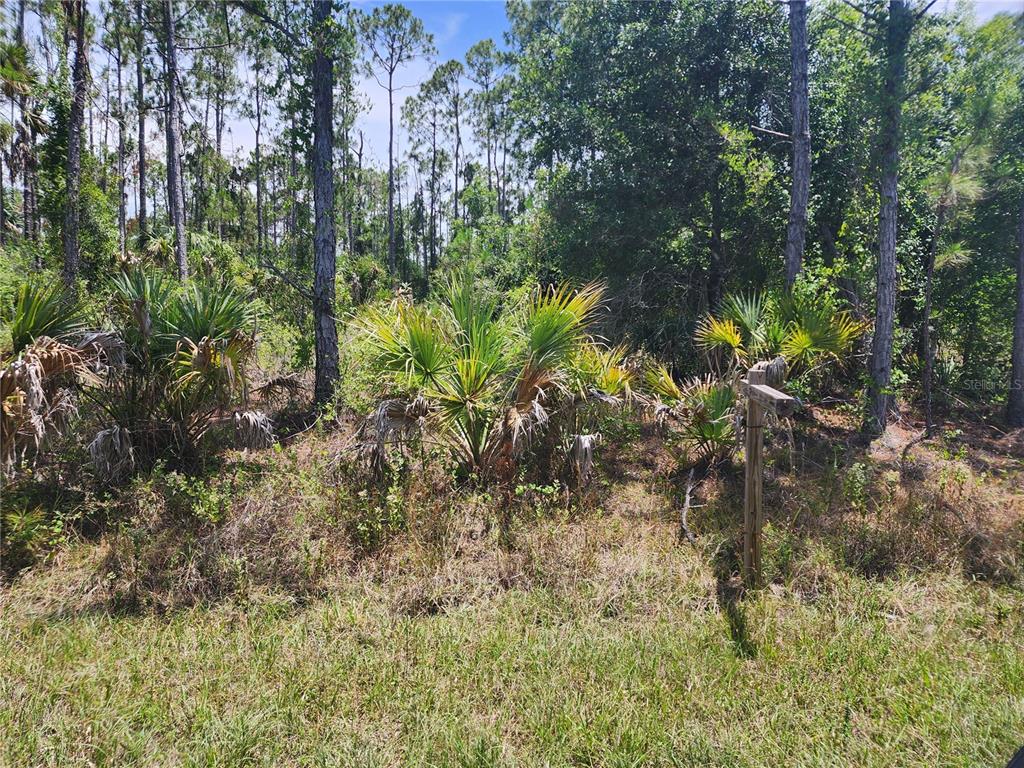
pixel 160 380
pixel 485 382
pixel 805 329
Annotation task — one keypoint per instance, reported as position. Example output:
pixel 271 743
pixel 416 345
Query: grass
pixel 637 664
pixel 275 612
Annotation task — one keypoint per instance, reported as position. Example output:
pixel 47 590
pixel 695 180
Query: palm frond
pixel 557 320
pixel 600 370
pixel 660 382
pixel 747 312
pixel 253 430
pixel 42 309
pixel 112 454
pixel 408 341
pixel 210 312
pixel 715 333
pixel 710 409
pixel 818 332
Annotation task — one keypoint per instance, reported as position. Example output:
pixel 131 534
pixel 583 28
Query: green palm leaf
pixel 42 309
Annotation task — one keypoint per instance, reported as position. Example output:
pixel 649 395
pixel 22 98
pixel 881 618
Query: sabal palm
pixel 751 327
pixel 42 309
pixel 188 351
pixel 493 378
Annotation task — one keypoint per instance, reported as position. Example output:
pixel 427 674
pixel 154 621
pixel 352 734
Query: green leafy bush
pixel 485 382
pixel 806 329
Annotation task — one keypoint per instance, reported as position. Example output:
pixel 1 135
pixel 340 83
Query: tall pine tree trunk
pixel 346 165
pixel 433 197
pixel 122 202
pixel 458 147
pixel 391 176
pixel 3 208
pixel 140 107
pixel 72 209
pixel 324 265
pixel 897 35
pixel 358 205
pixel 259 166
pixel 175 182
pixel 218 120
pixel 797 229
pixel 27 199
pixel 1015 401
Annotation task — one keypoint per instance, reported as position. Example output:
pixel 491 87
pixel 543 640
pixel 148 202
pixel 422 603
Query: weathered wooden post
pixel 761 399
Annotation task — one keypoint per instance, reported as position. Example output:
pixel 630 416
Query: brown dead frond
pixel 288 385
pixel 393 422
pixel 581 456
pixel 33 397
pixel 112 454
pixel 253 430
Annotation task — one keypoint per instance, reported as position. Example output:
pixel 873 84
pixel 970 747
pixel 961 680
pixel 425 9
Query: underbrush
pixel 301 520
pixel 283 609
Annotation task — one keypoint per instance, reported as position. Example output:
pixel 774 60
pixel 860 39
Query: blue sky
pixel 455 25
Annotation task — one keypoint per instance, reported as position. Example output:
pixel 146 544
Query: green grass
pixel 636 664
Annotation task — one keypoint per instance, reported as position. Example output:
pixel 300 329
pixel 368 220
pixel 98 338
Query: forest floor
pixel 292 631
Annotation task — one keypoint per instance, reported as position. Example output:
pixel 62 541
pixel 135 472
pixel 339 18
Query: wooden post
pixel 752 513
pixel 761 399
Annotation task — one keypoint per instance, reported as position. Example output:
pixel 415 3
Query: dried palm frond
pixel 48 358
pixel 253 430
pixel 104 349
pixel 112 454
pixel 288 384
pixel 581 456
pixel 32 402
pixel 393 421
pixel 522 421
pixel 63 409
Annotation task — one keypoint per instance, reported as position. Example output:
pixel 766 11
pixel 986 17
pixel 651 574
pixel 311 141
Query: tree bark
pixel 433 194
pixel 24 133
pixel 3 208
pixel 175 188
pixel 458 147
pixel 122 202
pixel 346 165
pixel 897 35
pixel 801 183
pixel 1015 401
pixel 358 194
pixel 391 176
pixel 323 206
pixel 259 166
pixel 219 110
pixel 140 106
pixel 76 118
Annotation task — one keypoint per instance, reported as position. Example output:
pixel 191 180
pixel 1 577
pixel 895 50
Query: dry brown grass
pixel 300 521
